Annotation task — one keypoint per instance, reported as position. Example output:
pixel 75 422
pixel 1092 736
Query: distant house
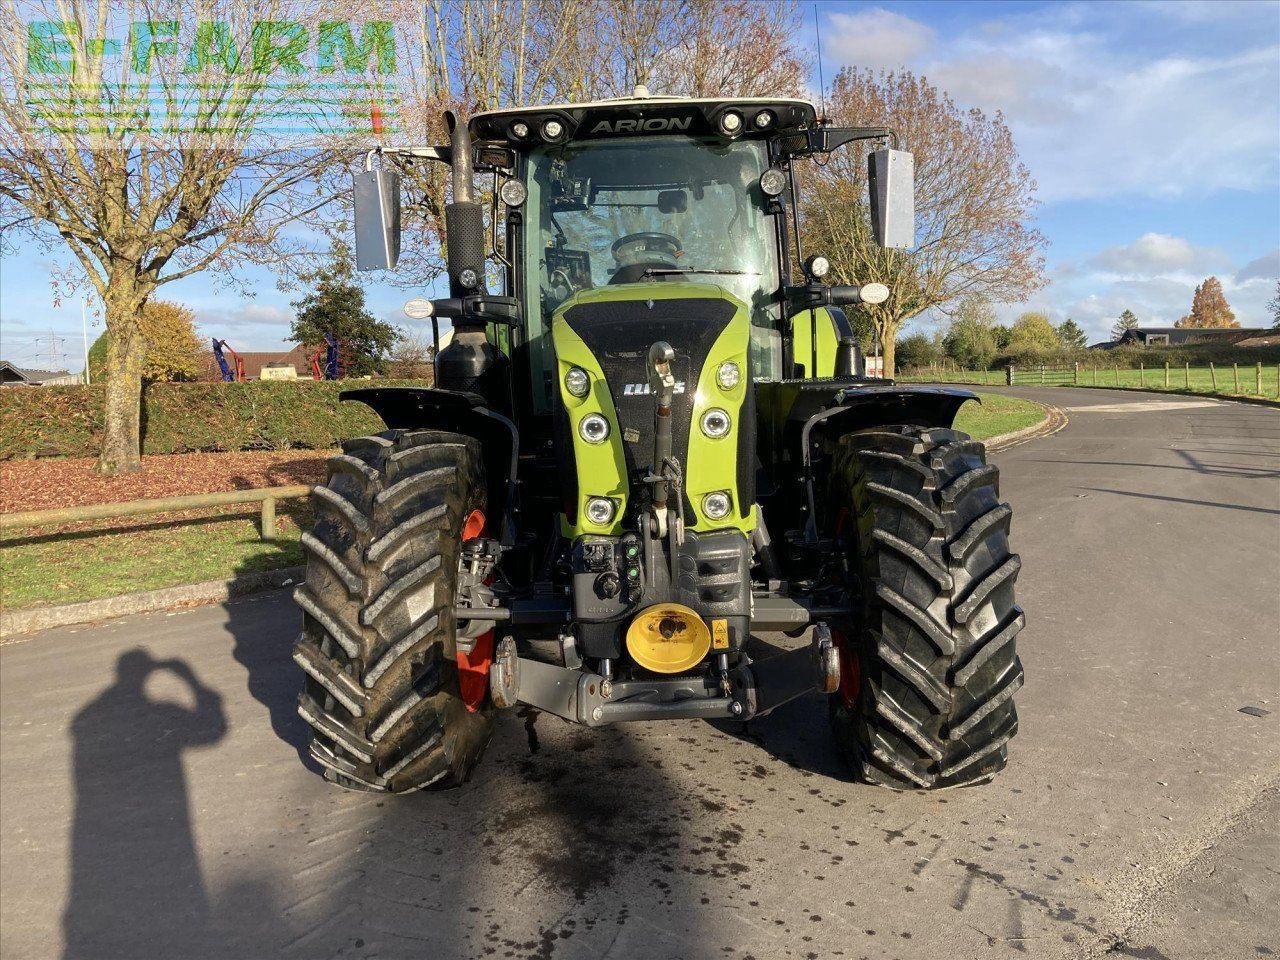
pixel 1177 336
pixel 277 365
pixel 15 376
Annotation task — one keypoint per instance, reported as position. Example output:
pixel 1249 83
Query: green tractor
pixel 655 443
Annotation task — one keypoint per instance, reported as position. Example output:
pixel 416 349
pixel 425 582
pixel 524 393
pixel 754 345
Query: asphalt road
pixel 161 810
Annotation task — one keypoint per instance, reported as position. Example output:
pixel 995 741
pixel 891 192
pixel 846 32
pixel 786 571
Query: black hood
pixel 619 333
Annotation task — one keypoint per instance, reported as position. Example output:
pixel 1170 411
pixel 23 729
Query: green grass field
pixel 46 567
pixel 1225 381
pixel 997 414
pixel 148 554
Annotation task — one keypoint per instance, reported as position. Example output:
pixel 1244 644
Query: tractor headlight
pixel 716 423
pixel 600 510
pixel 764 120
pixel 552 130
pixel 468 277
pixel 716 505
pixel 513 193
pixel 520 130
pixel 578 382
pixel 594 428
pixel 731 123
pixel 728 375
pixel 772 182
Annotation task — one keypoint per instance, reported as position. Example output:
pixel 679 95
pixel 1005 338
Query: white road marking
pixel 1148 406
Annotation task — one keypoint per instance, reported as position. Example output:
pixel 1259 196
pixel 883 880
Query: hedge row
pixel 187 417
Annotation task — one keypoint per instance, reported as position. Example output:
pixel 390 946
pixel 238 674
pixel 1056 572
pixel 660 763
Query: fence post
pixel 1142 374
pixel 1166 374
pixel 1042 374
pixel 1186 375
pixel 1008 375
pixel 269 518
pixel 1259 368
pixel 1075 374
pixel 1213 377
pixel 1095 374
pixel 1235 369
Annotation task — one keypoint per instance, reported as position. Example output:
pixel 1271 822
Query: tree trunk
pixel 888 331
pixel 126 353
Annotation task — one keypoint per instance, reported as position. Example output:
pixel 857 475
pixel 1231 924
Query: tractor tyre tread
pixel 932 579
pixel 378 646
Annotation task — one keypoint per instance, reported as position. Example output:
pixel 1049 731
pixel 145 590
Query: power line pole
pixel 84 337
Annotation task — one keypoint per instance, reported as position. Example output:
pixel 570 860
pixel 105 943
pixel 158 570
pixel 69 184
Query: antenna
pixel 822 83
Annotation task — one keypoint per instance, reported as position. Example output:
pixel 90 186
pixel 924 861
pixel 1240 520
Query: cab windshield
pixel 650 209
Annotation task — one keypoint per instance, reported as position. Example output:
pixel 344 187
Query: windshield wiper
pixel 664 271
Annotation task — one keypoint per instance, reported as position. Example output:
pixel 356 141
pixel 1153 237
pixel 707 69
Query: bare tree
pixel 473 55
pixel 973 204
pixel 142 138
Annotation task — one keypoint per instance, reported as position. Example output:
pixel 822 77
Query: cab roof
pixel 643 115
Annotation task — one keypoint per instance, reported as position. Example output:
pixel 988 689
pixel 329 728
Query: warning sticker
pixel 720 634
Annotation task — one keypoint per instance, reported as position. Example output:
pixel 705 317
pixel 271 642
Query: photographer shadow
pixel 136 887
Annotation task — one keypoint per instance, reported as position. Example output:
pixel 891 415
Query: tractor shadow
pixel 567 842
pixel 579 850
pixel 797 733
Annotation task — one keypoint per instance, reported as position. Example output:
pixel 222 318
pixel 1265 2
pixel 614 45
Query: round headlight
pixel 817 266
pixel 764 120
pixel 773 181
pixel 594 428
pixel 600 510
pixel 513 193
pixel 519 129
pixel 468 277
pixel 552 130
pixel 716 423
pixel 731 123
pixel 716 505
pixel 728 375
pixel 577 381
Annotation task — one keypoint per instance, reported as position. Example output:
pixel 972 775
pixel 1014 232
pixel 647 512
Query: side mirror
pixel 377 215
pixel 891 176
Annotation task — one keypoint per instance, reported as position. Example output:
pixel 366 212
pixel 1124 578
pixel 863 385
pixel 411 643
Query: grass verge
pixel 996 415
pixel 70 565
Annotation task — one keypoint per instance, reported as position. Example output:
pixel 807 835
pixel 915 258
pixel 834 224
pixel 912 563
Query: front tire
pixel 378 644
pixel 928 568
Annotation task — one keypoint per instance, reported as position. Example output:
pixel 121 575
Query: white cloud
pixel 1155 277
pixel 1158 254
pixel 876 38
pixel 1266 267
pixel 248 325
pixel 1105 100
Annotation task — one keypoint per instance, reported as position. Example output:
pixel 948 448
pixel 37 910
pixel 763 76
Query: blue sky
pixel 1153 130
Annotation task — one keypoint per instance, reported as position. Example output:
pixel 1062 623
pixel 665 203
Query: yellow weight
pixel 668 638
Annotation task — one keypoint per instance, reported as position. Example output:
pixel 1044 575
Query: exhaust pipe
pixel 463 364
pixel 464 217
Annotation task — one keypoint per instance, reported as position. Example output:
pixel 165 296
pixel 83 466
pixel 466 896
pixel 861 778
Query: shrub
pixel 189 417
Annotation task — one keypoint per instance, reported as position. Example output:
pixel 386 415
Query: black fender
pixel 428 408
pixel 798 415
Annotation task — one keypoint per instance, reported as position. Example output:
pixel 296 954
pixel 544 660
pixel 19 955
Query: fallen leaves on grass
pixel 52 482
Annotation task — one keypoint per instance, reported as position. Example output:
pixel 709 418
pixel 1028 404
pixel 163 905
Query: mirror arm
pixel 823 139
pixel 479 309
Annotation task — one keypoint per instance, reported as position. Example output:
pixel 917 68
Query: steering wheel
pixel 651 250
pixel 648 235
